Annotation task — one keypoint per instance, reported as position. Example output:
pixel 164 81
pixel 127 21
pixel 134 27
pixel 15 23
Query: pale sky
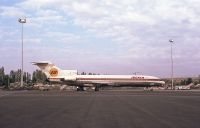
pixel 103 36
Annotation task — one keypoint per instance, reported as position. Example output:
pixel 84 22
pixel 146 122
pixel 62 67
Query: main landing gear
pixel 80 88
pixel 97 87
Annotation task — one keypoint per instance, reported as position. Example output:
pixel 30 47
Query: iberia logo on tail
pixel 53 72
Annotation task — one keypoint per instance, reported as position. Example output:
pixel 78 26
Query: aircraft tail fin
pixel 48 68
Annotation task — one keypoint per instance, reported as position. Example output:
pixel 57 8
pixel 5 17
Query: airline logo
pixel 53 72
pixel 137 77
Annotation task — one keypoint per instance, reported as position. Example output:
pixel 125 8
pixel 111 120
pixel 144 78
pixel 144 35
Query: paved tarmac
pixel 104 109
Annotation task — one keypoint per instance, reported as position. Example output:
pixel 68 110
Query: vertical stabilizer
pixel 48 68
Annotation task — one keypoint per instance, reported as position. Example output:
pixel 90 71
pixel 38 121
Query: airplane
pixel 72 78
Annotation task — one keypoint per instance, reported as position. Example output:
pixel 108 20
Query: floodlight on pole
pixel 172 66
pixel 22 21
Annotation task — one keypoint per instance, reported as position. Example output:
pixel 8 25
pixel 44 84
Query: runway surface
pixel 104 109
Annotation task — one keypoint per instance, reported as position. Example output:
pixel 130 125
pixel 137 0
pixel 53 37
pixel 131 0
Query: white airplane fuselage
pixel 118 80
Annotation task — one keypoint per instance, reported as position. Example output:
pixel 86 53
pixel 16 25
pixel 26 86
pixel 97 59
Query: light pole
pixel 172 66
pixel 22 21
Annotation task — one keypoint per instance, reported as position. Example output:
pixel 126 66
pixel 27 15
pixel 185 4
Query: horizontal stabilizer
pixel 41 63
